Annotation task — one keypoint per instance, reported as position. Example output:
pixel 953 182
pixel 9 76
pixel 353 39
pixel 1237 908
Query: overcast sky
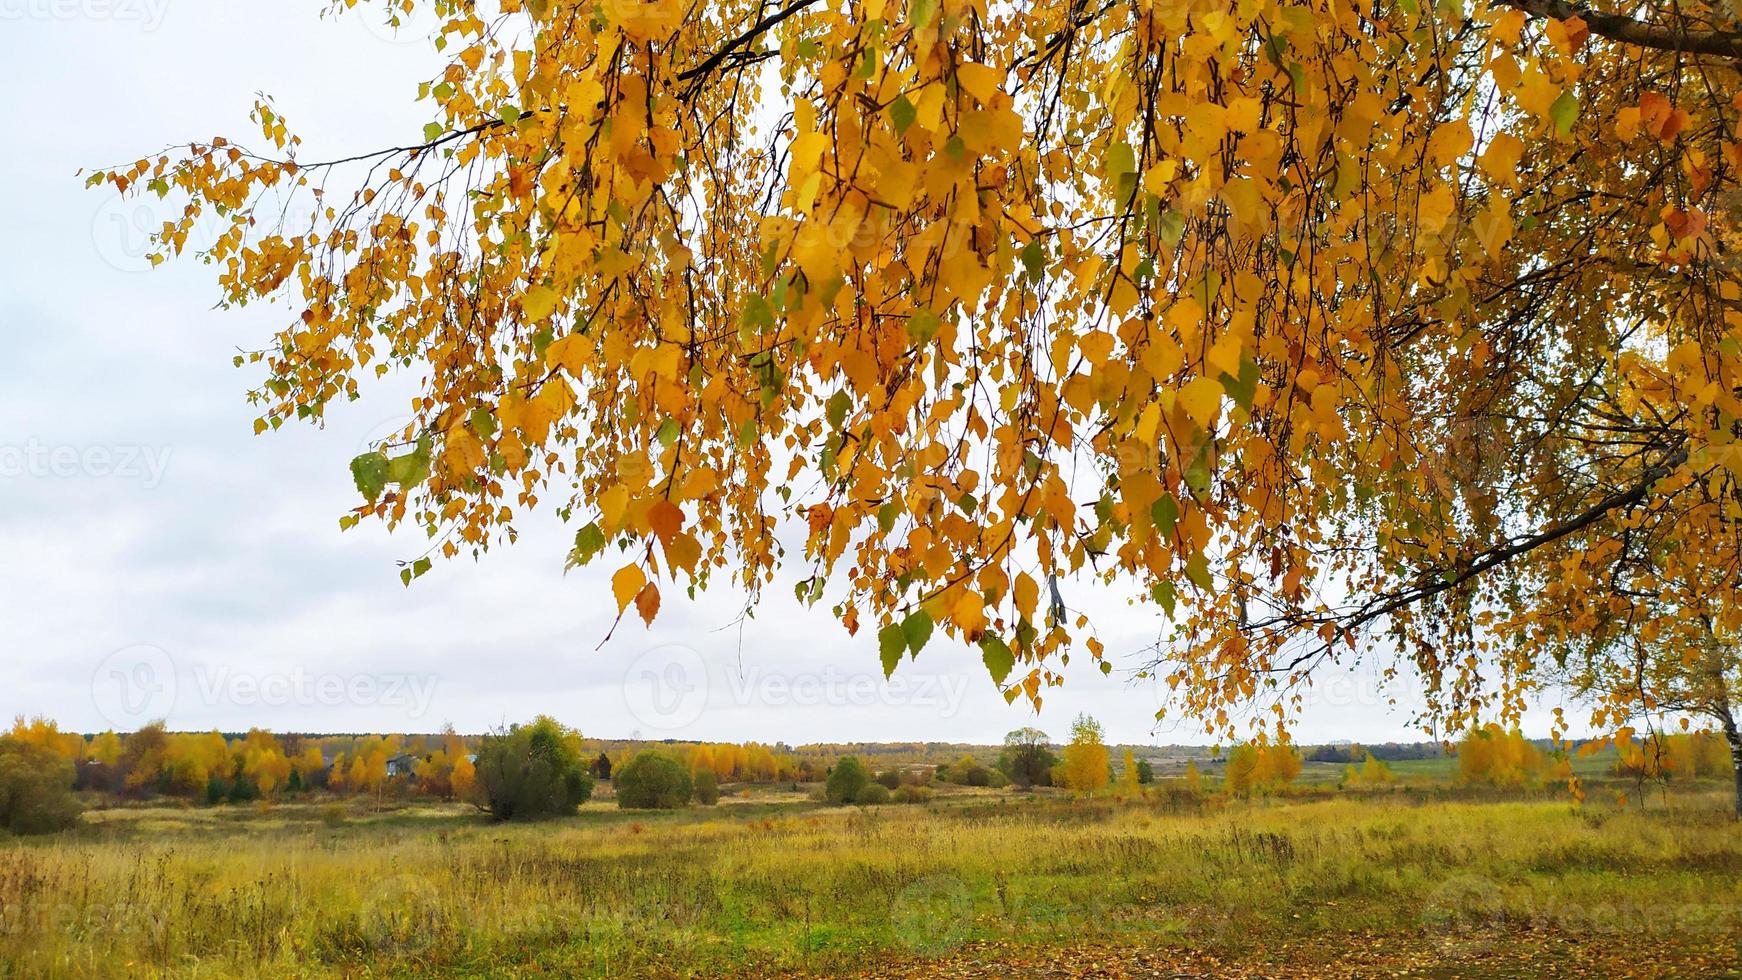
pixel 158 560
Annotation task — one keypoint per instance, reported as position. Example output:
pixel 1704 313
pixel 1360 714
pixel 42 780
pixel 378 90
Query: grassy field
pixel 976 883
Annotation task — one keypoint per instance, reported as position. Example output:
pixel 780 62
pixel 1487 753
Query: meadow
pixel 1415 879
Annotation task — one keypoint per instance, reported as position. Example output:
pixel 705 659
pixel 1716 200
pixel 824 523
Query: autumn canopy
pixel 1298 320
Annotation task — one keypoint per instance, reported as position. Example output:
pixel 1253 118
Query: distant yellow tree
pixel 46 734
pixel 701 757
pixel 1277 765
pixel 308 762
pixel 463 777
pixel 1241 776
pixel 1086 760
pixel 1128 787
pixel 1493 756
pixel 193 759
pixel 264 762
pixel 1194 779
pixel 1375 772
pixel 105 748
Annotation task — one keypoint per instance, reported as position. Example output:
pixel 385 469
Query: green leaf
pixel 1564 112
pixel 432 132
pixel 916 628
pixel 668 433
pixel 1034 258
pixel 922 326
pixel 902 114
pixel 483 422
pixel 891 641
pixel 1198 570
pixel 887 515
pixel 370 470
pixel 839 404
pixel 1164 597
pixel 1165 513
pixel 997 657
pixel 1243 388
pixel 589 541
pixel 1172 226
pixel 409 470
pixel 921 12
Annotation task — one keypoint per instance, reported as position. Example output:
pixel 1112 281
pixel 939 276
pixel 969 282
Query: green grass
pixel 774 883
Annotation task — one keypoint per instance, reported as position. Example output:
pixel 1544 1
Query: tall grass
pixel 791 886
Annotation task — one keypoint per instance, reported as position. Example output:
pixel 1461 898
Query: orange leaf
pixel 647 602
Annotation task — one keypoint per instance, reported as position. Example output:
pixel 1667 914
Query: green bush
pixel 36 789
pixel 652 781
pixel 847 780
pixel 874 794
pixel 531 771
pixel 707 787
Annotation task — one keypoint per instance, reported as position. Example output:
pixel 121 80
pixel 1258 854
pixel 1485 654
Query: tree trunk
pixel 1734 737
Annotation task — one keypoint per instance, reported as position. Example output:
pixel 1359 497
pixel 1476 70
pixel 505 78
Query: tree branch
pixel 1615 27
pixel 1436 581
pixel 713 61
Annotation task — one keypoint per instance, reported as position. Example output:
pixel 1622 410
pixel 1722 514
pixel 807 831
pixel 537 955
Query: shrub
pixel 889 779
pixel 969 772
pixel 847 780
pixel 707 787
pixel 652 781
pixel 912 794
pixel 531 771
pixel 873 794
pixel 36 789
pixel 242 789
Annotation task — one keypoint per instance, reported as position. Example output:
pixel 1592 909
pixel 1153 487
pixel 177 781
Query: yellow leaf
pixel 538 302
pixel 1500 160
pixel 981 81
pixel 569 353
pixel 1027 595
pixel 1201 397
pixel 626 585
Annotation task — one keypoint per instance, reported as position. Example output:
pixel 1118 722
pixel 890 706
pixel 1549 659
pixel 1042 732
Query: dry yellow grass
pixel 785 885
